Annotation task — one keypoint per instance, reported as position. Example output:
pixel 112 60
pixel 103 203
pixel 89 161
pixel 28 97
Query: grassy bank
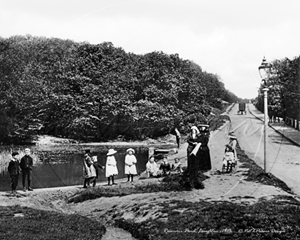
pixel 278 218
pixel 25 223
pixel 256 173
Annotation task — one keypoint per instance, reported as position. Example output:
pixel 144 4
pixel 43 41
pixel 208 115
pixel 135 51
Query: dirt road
pixel 283 157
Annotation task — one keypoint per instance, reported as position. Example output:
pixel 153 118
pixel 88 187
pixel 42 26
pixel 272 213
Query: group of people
pixel 91 167
pixel 198 155
pixel 198 159
pixel 154 169
pixel 23 166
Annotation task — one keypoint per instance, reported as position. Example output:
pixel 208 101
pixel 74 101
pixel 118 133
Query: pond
pixel 62 165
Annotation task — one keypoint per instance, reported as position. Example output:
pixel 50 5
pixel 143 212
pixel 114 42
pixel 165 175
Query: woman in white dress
pixel 130 164
pixel 111 166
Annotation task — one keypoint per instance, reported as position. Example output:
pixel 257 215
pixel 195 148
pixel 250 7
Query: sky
pixel 224 37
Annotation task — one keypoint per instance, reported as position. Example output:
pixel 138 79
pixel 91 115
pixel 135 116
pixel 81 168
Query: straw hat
pixel 130 149
pixel 232 137
pixel 111 152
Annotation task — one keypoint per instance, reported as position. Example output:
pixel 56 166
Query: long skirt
pixel 203 162
pixel 199 162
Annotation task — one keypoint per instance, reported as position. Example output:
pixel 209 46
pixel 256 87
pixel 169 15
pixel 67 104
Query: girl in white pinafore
pixel 111 166
pixel 130 161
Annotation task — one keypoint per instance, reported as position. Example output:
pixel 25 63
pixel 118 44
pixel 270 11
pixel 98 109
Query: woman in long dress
pixel 111 166
pixel 203 152
pixel 198 152
pixel 193 140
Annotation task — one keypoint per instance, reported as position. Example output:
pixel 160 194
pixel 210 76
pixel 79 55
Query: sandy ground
pixel 140 207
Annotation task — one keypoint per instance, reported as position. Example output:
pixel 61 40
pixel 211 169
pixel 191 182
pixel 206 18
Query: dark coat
pixel 165 167
pixel 14 167
pixel 26 162
pixel 202 161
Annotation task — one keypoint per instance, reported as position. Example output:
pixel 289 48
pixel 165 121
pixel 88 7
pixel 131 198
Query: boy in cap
pixel 14 171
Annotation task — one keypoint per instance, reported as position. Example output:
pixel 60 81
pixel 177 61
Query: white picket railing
pixel 293 123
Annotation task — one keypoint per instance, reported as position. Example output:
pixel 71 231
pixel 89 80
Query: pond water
pixel 56 166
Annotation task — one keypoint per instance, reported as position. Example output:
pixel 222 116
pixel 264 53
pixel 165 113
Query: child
pixel 165 166
pixel 26 165
pixel 111 166
pixel 89 171
pixel 151 167
pixel 14 171
pixel 176 167
pixel 229 159
pixel 130 161
pixel 97 166
pixel 232 143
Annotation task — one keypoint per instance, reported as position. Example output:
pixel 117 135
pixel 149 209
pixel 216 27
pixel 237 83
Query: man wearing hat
pixel 130 164
pixel 111 166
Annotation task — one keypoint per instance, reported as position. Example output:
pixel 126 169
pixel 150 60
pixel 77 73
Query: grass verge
pixel 257 174
pixel 171 183
pixel 220 220
pixel 268 219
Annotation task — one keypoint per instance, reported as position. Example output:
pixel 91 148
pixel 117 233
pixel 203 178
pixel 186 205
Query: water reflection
pixel 57 166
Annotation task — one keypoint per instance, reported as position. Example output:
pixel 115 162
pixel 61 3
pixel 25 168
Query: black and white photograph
pixel 149 119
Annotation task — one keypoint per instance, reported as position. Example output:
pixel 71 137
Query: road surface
pixel 283 157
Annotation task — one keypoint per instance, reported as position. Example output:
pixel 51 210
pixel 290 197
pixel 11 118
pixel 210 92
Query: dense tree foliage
pixel 283 81
pixel 96 92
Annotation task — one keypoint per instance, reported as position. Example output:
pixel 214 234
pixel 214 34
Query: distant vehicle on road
pixel 242 108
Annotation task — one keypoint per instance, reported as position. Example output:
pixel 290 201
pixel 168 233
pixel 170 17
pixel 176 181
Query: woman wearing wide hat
pixel 111 166
pixel 130 164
